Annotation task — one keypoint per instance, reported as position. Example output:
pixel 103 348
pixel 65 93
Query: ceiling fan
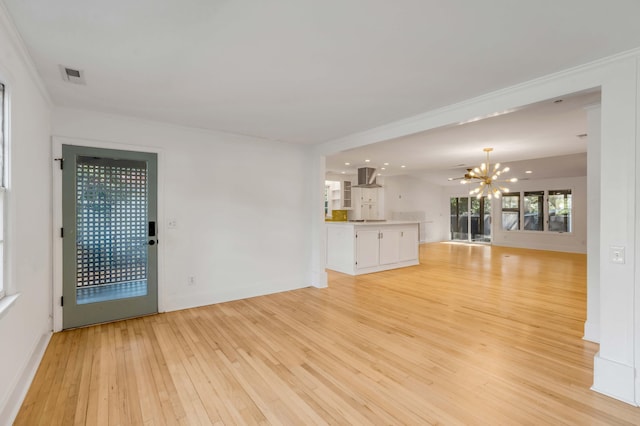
pixel 467 176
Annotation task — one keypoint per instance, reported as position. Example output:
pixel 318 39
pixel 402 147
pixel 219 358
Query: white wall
pixel 408 197
pixel 25 326
pixel 241 204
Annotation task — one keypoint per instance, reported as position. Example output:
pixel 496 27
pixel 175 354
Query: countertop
pixel 374 223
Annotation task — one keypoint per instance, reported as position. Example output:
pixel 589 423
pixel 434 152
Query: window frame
pixel 517 210
pixel 545 211
pixel 4 155
pixel 542 210
pixel 568 225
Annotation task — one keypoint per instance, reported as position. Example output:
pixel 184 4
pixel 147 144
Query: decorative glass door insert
pixel 109 209
pixel 111 229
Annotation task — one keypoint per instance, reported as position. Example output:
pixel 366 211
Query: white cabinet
pixel 366 204
pixel 396 244
pixel 389 246
pixel 365 212
pixel 367 252
pixel 337 196
pixel 364 248
pixel 409 243
pixel 346 195
pixel 384 247
pixel 369 195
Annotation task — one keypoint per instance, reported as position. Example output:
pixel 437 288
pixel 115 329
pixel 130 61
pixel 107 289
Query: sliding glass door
pixel 470 219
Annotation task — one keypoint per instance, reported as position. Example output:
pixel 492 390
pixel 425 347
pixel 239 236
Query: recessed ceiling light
pixel 450 179
pixel 347 164
pixel 403 166
pixel 386 164
pixel 528 172
pixel 379 174
pixel 383 168
pixel 367 161
pixel 344 173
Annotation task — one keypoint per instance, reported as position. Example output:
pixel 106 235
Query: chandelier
pixel 488 179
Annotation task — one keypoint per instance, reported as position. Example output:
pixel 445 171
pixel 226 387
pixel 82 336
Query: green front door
pixel 109 208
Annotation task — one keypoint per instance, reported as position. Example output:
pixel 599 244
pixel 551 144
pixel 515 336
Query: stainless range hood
pixel 367 178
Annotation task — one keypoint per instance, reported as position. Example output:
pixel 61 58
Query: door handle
pixel 152 233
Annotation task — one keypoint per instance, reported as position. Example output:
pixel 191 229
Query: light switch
pixel 616 254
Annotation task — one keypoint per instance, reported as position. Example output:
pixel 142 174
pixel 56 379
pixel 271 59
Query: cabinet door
pixel 389 246
pixel 373 211
pixel 370 195
pixel 366 211
pixel 346 194
pixel 356 194
pixel 408 244
pixel 367 248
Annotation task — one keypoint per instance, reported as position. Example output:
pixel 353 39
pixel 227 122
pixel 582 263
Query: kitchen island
pixel 356 248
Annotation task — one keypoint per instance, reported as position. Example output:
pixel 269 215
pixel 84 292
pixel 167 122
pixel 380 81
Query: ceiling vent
pixel 71 75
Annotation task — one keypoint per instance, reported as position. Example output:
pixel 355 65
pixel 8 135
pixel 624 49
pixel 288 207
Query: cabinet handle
pixel 402 233
pixel 381 235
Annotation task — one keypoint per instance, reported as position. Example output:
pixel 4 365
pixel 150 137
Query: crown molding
pixel 430 119
pixel 20 47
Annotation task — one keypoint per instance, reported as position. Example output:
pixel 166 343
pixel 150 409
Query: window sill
pixel 532 232
pixel 6 302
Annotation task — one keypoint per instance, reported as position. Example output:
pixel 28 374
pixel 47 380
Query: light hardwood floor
pixel 474 335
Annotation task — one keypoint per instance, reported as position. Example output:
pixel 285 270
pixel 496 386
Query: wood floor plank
pixel 473 335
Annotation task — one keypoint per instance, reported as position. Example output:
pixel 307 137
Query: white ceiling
pixel 545 138
pixel 308 71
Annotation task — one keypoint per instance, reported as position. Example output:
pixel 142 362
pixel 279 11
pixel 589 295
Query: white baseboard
pixel 9 410
pixel 614 379
pixel 591 331
pixel 208 296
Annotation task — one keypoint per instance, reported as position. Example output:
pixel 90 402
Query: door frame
pixel 469 234
pixel 56 149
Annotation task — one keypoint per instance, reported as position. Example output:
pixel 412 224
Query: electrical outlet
pixel 191 281
pixel 172 224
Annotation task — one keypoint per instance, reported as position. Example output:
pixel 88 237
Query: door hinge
pixel 61 300
pixel 61 232
pixel 61 160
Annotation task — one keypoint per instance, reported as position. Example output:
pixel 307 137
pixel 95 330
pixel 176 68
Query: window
pixel 533 211
pixel 3 135
pixel 560 210
pixel 554 216
pixel 511 211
